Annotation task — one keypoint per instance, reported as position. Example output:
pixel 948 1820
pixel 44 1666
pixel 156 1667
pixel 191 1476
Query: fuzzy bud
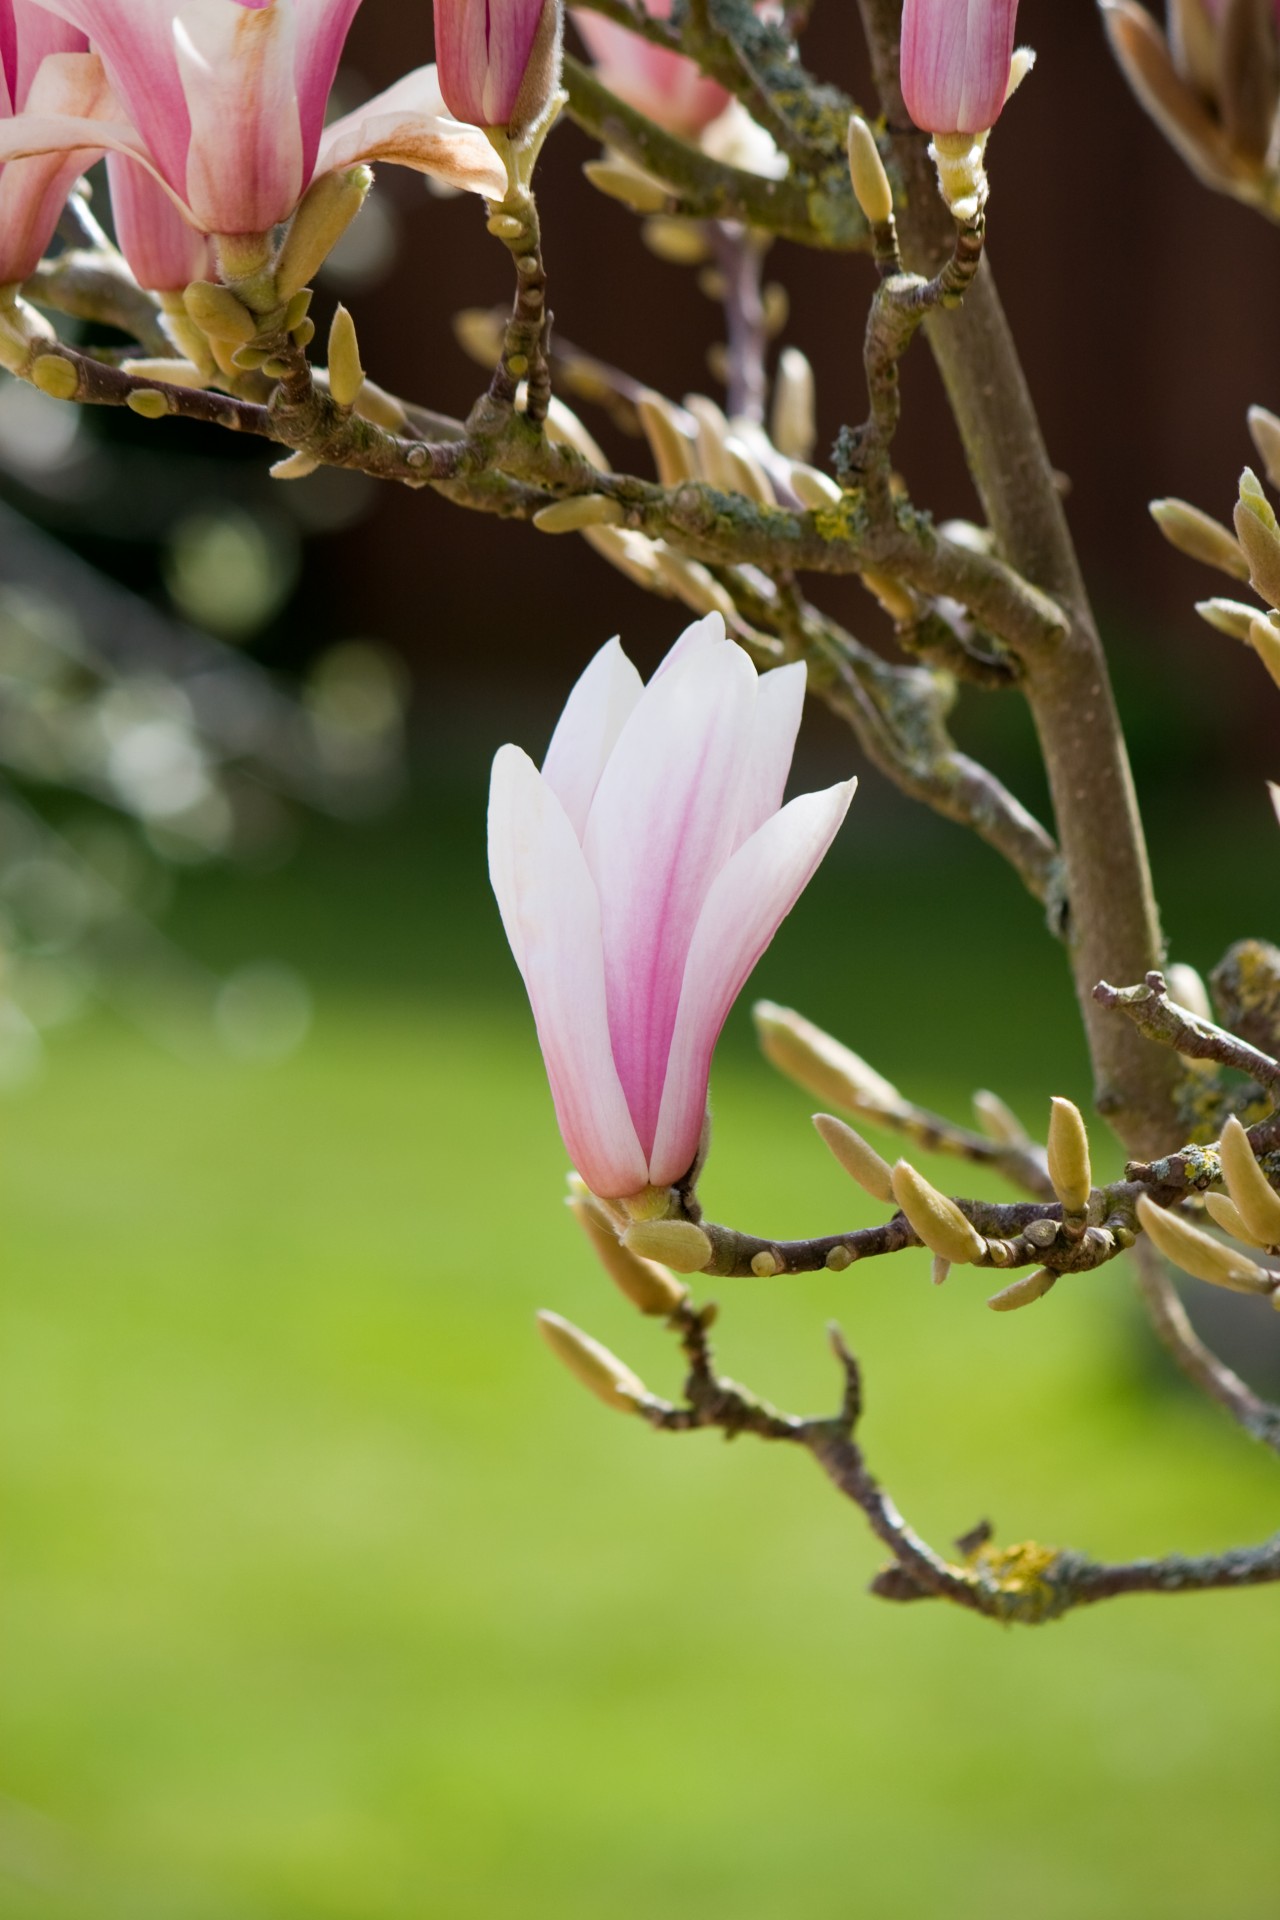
pixel 870 182
pixel 821 1065
pixel 600 1371
pixel 327 209
pixel 936 1219
pixel 1069 1170
pixel 859 1159
pixel 1023 1292
pixel 1259 535
pixel 646 1284
pixel 1200 537
pixel 1252 1192
pixel 346 375
pixel 677 1243
pixel 1198 1254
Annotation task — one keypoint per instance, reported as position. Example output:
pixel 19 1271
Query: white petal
pixel 779 705
pixel 703 633
pixel 595 713
pixel 660 829
pixel 743 911
pixel 552 918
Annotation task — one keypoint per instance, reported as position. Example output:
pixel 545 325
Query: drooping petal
pixel 595 713
pixel 744 908
pixel 667 87
pixel 165 253
pixel 236 64
pixel 323 26
pixel 408 125
pixel 551 914
pixel 661 827
pixel 136 43
pixel 775 724
pixel 955 62
pixel 67 92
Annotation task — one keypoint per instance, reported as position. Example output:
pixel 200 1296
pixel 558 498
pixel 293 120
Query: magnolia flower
pixel 666 86
pixel 223 101
pixel 498 60
pixel 165 254
pixel 33 192
pixel 640 877
pixel 955 62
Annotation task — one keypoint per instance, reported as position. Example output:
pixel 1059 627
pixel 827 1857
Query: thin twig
pixel 1159 1018
pixel 1201 1365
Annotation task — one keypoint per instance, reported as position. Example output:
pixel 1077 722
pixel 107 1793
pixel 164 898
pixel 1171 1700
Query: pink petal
pixel 67 92
pixel 482 50
pixel 551 914
pixel 660 828
pixel 955 62
pixel 744 908
pixel 164 252
pixel 409 126
pixel 779 705
pixel 236 64
pixel 135 40
pixel 27 34
pixel 595 713
pixel 323 26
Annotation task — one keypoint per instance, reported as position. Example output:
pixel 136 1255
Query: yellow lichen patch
pixel 1022 1573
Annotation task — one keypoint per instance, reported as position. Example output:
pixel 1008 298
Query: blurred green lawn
pixel 326 1596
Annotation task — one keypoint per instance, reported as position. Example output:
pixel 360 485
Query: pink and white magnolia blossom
pixel 165 253
pixel 955 62
pixel 224 102
pixel 498 60
pixel 33 192
pixel 640 875
pixel 667 87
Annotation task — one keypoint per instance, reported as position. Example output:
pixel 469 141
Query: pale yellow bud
pixel 1200 537
pixel 646 1284
pixel 564 429
pixel 637 190
pixel 218 313
pixel 1264 638
pixel 600 1371
pixel 792 419
pixel 962 177
pixel 1257 1200
pixel 630 552
pixel 712 430
pixel 821 1065
pixel 814 489
pixel 297 466
pixel 871 187
pixel 346 375
pixel 936 1219
pixel 176 373
pixel 1259 535
pixel 375 404
pixel 1228 1216
pixel 671 442
pixel 1022 1292
pixel 682 243
pixel 1188 989
pixel 1024 59
pixel 1232 617
pixel 479 333
pixel 1197 1254
pixel 676 1243
pixel 1070 1172
pixel 998 1121
pixel 941 1268
pixel 1264 429
pixel 749 477
pixel 326 210
pixel 693 583
pixel 858 1158
pixel 586 510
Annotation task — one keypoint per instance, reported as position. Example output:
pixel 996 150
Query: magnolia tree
pixel 643 869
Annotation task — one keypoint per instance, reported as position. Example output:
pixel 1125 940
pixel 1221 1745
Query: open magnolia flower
pixel 640 875
pixel 223 101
